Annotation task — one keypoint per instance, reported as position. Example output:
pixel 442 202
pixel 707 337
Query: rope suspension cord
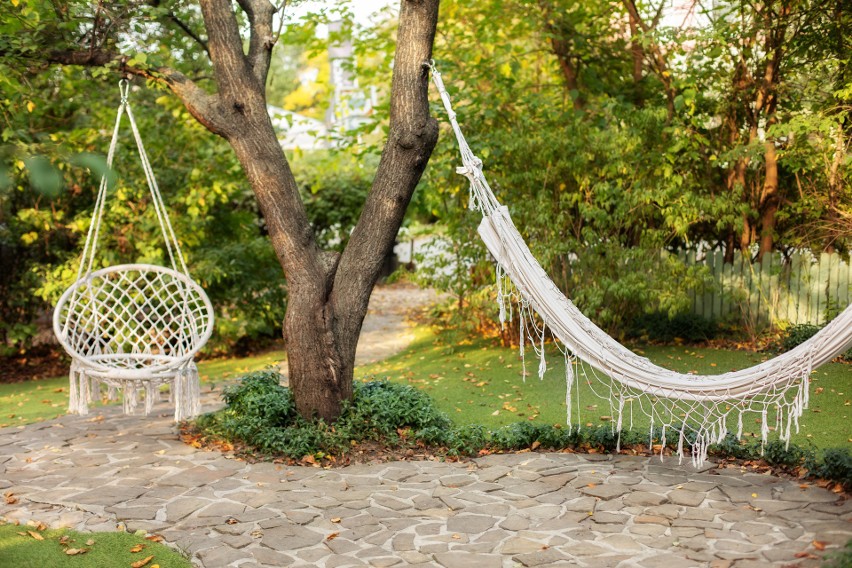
pixel 133 327
pixel 172 246
pixel 671 397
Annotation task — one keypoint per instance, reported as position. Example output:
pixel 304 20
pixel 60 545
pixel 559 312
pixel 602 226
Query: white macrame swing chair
pixel 133 327
pixel 697 409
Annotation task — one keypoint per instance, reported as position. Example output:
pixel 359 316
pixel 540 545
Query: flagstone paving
pixel 108 470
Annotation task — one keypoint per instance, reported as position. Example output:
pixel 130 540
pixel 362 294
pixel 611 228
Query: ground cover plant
pixel 35 546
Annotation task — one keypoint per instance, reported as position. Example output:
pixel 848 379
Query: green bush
pixel 661 326
pixel 836 465
pixel 798 334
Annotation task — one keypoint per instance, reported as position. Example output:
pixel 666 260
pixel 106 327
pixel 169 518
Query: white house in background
pixel 298 131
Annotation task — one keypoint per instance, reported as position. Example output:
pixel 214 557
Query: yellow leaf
pixel 143 562
pixel 336 520
pixel 35 535
pixel 137 548
pixel 332 536
pixel 76 551
pixel 90 542
pixel 15 2
pixel 30 106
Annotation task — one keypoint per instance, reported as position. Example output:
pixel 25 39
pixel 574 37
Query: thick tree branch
pixel 262 39
pixel 200 104
pixel 658 58
pixel 230 66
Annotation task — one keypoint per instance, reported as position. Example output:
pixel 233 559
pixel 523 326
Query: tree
pixel 328 292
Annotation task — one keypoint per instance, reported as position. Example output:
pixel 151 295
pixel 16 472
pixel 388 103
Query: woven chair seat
pixel 134 323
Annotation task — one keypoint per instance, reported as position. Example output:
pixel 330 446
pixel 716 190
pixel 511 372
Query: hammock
pixel 701 404
pixel 133 327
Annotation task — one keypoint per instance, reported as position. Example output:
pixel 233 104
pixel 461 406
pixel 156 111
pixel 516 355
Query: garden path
pixel 107 470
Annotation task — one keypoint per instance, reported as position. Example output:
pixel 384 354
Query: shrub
pixel 798 334
pixel 836 465
pixel 660 326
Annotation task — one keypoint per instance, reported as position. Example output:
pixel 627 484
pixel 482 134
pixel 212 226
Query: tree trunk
pixel 769 202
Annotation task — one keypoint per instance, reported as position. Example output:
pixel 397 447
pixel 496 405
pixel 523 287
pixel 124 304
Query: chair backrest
pixel 135 315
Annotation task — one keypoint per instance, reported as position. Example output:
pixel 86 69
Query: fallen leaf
pixel 456 536
pixel 90 542
pixel 154 538
pixel 592 485
pixel 231 521
pixel 819 545
pixel 332 536
pixel 22 533
pixel 336 520
pixel 64 540
pixel 35 535
pixel 10 498
pixel 76 551
pixel 535 445
pixel 137 548
pixel 805 555
pixel 143 562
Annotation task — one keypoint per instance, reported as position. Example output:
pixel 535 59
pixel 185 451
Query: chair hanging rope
pixel 133 327
pixel 700 409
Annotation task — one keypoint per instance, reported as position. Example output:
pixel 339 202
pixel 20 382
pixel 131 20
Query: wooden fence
pixel 801 289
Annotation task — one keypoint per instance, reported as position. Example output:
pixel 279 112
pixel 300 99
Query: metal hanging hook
pixel 124 89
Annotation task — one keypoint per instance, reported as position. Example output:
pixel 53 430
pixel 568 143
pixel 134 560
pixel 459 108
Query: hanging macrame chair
pixel 702 407
pixel 133 327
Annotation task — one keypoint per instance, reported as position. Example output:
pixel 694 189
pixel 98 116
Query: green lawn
pixel 28 547
pixel 479 382
pixel 33 401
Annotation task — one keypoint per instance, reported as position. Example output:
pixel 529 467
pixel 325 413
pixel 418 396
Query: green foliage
pixel 334 186
pixel 262 414
pixel 795 335
pixel 660 326
pixel 839 558
pixel 836 464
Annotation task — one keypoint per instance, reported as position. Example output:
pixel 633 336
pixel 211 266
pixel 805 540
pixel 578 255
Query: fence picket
pixel 799 289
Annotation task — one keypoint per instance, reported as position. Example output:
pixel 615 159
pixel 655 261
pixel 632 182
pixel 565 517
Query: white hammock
pixel 701 403
pixel 133 327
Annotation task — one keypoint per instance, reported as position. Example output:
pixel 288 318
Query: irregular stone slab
pixel 686 498
pixel 605 491
pixel 468 560
pixel 470 523
pixel 645 499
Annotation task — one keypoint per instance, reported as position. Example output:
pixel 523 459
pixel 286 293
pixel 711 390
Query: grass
pixel 479 382
pixel 19 548
pixel 34 401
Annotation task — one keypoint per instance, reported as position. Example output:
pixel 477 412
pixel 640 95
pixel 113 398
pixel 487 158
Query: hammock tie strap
pixel 481 196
